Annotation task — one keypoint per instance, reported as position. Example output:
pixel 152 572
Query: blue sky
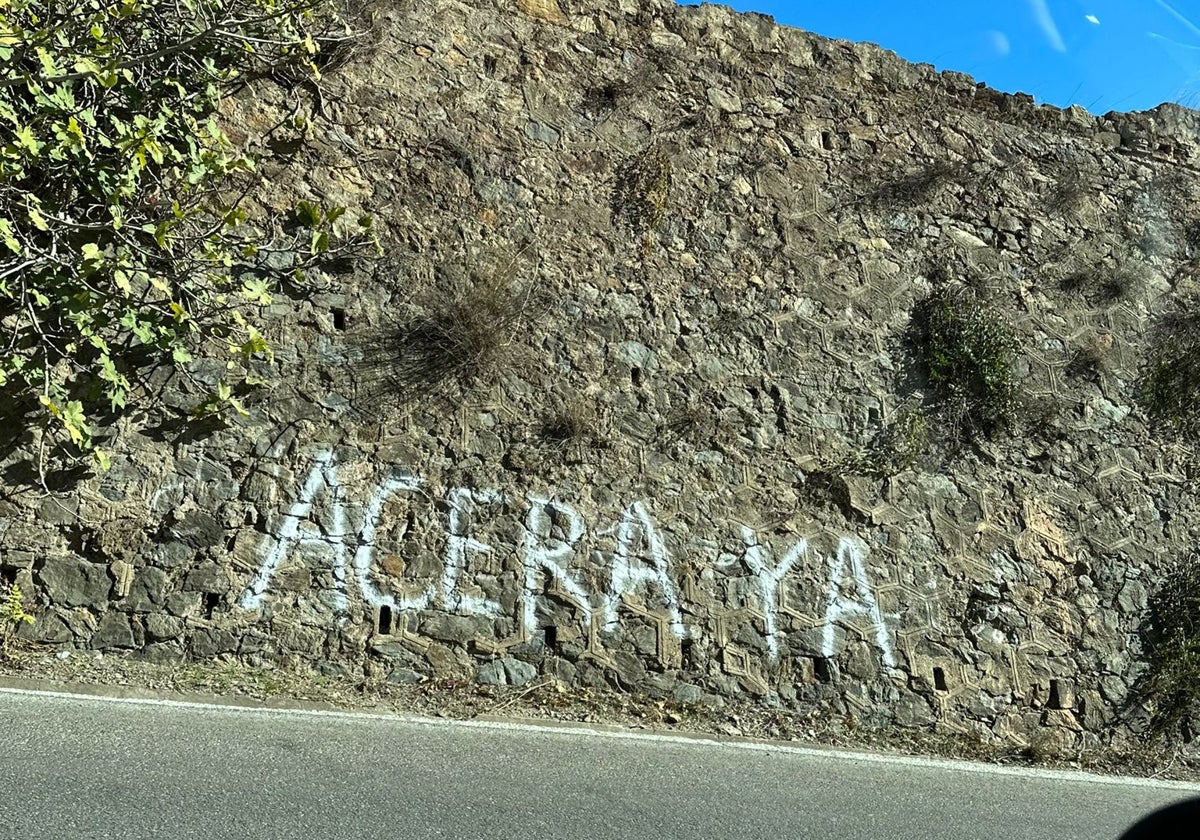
pixel 1122 55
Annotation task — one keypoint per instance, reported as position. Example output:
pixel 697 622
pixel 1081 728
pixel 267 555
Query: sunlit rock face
pixel 637 397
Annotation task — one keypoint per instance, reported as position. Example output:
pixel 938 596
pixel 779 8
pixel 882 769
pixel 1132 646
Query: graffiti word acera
pixel 639 562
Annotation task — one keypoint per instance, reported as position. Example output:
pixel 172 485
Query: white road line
pixel 551 729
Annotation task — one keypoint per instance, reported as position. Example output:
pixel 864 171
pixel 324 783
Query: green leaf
pixel 49 66
pixel 86 65
pixel 254 345
pixel 256 291
pixel 308 213
pixel 37 219
pixel 27 140
pixel 6 235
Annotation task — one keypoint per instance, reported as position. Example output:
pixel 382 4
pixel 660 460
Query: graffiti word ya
pixel 847 564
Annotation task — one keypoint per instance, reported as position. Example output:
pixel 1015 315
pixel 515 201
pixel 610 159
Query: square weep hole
pixel 209 601
pixel 8 575
pixel 550 637
pixel 1054 701
pixel 939 680
pixel 385 620
pixel 824 669
pixel 339 319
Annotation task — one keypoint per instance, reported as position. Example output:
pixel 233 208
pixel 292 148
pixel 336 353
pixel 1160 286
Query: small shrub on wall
pixel 12 613
pixel 469 335
pixel 966 353
pixel 1173 646
pixel 1170 390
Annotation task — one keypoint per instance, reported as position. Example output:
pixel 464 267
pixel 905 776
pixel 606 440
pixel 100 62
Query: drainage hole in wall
pixel 385 620
pixel 635 377
pixel 1054 701
pixel 339 319
pixel 550 637
pixel 8 576
pixel 939 680
pixel 686 652
pixel 823 669
pixel 209 602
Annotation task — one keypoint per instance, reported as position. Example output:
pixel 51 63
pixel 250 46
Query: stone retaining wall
pixel 611 407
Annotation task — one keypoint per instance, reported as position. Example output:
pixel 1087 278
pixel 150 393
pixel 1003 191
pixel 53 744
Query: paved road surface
pixel 84 767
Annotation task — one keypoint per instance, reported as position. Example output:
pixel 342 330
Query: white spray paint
pixel 538 555
pixel 290 537
pixel 460 547
pixel 364 554
pixel 639 561
pixel 853 552
pixel 628 574
pixel 757 558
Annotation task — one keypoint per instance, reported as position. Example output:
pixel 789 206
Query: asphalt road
pixel 84 767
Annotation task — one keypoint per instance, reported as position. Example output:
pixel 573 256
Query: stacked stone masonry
pixel 711 232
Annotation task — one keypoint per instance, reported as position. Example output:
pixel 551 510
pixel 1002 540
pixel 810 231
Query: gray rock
pixel 725 100
pixel 164 653
pixel 445 663
pixel 255 641
pixel 561 669
pixel 75 583
pixel 394 651
pixel 169 555
pixel 492 673
pixel 542 133
pixel 637 355
pixel 148 590
pixel 913 710
pixel 207 577
pixel 456 628
pixel 296 638
pixel 687 694
pixel 404 676
pixel 183 605
pixel 1132 598
pixel 629 669
pixel 199 529
pixel 209 641
pixel 161 627
pixel 113 631
pixel 518 672
pixel 48 628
